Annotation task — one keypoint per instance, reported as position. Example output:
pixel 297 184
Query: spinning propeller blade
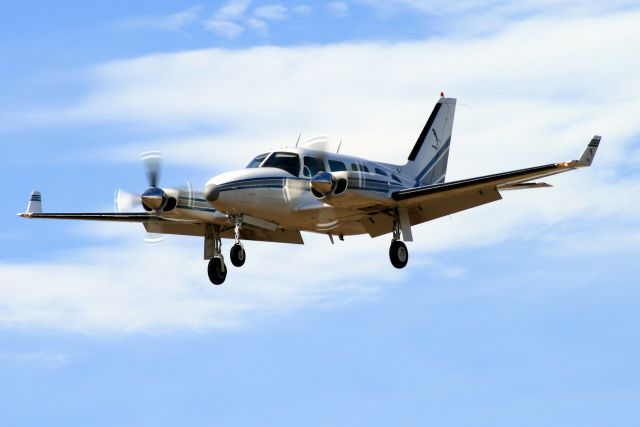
pixel 152 161
pixel 125 201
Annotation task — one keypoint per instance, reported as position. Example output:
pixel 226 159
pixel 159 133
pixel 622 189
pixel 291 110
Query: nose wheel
pixel 237 255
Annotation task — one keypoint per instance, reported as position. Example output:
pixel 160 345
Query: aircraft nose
pixel 211 192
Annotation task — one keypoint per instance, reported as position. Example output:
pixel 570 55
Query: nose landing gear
pixel 237 254
pixel 217 270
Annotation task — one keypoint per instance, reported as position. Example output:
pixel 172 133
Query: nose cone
pixel 211 192
pixel 323 182
pixel 153 198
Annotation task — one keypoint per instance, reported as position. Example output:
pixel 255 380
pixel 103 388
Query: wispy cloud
pixel 37 359
pixel 225 22
pixel 259 26
pixel 271 12
pixel 302 9
pixel 172 22
pixel 338 8
pixel 470 17
pixel 226 29
pixel 232 10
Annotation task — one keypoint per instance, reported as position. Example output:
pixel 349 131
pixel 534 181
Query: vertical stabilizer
pixel 427 162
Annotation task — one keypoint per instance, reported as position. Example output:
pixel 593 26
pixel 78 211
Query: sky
pixel 521 312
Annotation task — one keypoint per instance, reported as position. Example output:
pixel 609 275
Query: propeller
pixel 152 161
pixel 125 201
pixel 324 183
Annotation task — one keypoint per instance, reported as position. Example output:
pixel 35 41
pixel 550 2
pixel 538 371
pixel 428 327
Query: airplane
pixel 285 191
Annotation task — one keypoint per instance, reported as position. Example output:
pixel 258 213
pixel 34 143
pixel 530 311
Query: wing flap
pixel 248 232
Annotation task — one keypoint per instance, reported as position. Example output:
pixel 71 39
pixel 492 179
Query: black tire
pixel 398 254
pixel 217 271
pixel 238 255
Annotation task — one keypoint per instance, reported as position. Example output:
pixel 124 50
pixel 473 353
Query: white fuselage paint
pixel 283 198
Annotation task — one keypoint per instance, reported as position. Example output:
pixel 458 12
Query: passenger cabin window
pixel 312 166
pixel 289 162
pixel 337 166
pixel 359 167
pixel 395 178
pixel 381 172
pixel 256 162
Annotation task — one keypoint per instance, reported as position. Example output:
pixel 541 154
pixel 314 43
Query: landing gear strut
pixel 217 270
pixel 398 252
pixel 238 255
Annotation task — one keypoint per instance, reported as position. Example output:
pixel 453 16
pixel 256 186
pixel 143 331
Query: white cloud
pixel 226 29
pixel 530 95
pixel 302 9
pixel 504 8
pixel 338 8
pixel 259 26
pixel 232 10
pixel 271 12
pixel 133 287
pixel 470 17
pixel 172 22
pixel 38 359
pixel 224 22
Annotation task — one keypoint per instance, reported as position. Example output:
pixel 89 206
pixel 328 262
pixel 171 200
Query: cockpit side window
pixel 337 166
pixel 312 166
pixel 256 162
pixel 289 162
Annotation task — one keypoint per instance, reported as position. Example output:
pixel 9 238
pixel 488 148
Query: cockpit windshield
pixel 256 162
pixel 289 162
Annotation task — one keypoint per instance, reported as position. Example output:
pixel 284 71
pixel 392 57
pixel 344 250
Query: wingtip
pixel 590 152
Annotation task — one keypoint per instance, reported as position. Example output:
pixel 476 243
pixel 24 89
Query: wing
pixel 253 229
pixel 434 201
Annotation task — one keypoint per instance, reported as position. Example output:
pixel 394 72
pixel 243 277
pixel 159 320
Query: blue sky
pixel 522 312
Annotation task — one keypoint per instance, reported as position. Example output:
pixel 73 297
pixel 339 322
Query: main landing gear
pixel 398 252
pixel 217 269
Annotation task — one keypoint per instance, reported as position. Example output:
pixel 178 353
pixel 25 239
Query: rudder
pixel 427 162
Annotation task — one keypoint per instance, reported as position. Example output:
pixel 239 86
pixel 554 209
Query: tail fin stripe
pixel 434 161
pixel 423 134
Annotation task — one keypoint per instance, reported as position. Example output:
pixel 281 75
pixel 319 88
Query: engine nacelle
pixel 326 184
pixel 156 199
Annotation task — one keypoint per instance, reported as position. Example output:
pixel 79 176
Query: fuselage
pixel 276 187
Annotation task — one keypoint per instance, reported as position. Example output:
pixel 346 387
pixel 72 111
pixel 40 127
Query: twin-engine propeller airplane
pixel 283 192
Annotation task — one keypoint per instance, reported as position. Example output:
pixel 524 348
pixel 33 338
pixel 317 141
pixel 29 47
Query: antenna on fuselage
pixel 339 145
pixel 298 141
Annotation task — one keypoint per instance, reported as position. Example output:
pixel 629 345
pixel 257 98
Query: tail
pixel 427 163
